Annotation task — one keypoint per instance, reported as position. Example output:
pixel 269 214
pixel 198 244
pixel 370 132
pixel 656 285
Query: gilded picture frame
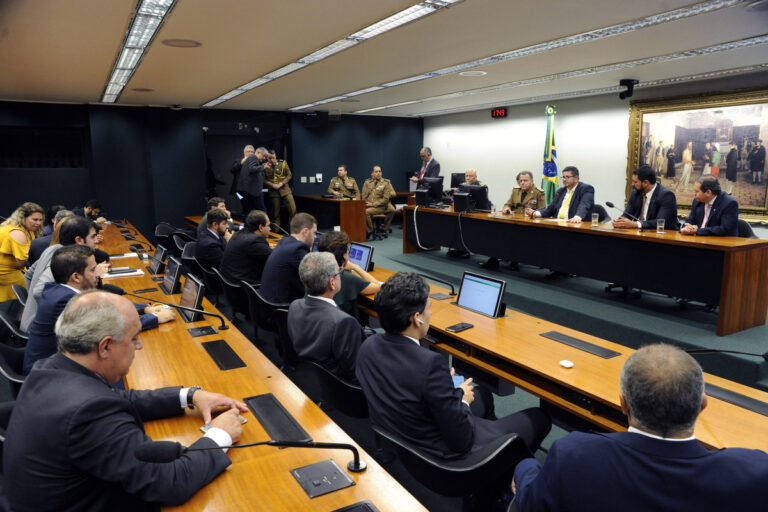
pixel 700 128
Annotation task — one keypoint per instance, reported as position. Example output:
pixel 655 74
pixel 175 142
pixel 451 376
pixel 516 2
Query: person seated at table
pixel 713 212
pixel 280 282
pixel 91 210
pixel 39 245
pixel 50 215
pixel 319 329
pixel 377 192
pixel 355 281
pixel 211 242
pixel 247 251
pixel 526 195
pixel 72 438
pixel 215 202
pixel 74 270
pixel 410 390
pixel 649 202
pixel 573 202
pixel 16 234
pixel 343 186
pixel 658 464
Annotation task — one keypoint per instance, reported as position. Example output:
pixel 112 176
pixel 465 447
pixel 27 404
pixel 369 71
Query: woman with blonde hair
pixel 16 235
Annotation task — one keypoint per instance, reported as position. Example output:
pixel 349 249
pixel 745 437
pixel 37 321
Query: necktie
pixel 564 209
pixel 424 168
pixel 642 208
pixel 707 208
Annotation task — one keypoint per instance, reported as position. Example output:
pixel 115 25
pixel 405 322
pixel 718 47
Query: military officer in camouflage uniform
pixel 377 192
pixel 343 186
pixel 276 180
pixel 525 196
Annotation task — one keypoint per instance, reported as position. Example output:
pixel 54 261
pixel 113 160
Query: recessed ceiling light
pixel 182 43
pixel 142 89
pixel 473 73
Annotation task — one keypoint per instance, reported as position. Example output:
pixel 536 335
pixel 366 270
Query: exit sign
pixel 499 112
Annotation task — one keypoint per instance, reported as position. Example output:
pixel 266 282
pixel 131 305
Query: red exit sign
pixel 499 112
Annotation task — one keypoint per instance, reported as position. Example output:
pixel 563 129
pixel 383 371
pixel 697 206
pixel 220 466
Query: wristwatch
pixel 190 393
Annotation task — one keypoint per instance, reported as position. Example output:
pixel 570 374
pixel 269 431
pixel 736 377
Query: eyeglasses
pixel 339 273
pixel 567 176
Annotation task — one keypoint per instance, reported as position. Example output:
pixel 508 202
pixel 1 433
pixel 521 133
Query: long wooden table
pixel 512 349
pixel 348 214
pixel 730 272
pixel 259 477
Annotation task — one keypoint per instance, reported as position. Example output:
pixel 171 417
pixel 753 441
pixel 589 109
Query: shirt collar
pixel 214 233
pixel 413 340
pixel 71 288
pixel 644 433
pixel 650 192
pixel 326 299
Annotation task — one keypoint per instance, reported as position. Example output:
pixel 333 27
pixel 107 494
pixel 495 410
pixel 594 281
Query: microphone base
pixel 357 468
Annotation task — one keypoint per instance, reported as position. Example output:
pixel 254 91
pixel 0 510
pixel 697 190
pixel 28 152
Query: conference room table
pixel 728 272
pixel 348 214
pixel 513 349
pixel 260 477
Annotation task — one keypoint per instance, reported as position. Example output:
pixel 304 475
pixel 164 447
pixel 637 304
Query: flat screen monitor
pixel 481 294
pixel 361 255
pixel 478 196
pixel 434 187
pixel 457 178
pixel 171 283
pixel 191 297
pixel 157 264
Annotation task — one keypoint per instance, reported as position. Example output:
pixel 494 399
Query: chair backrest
pixel 261 309
pixel 13 326
pixel 6 408
pixel 212 283
pixel 180 242
pixel 288 353
pixel 342 395
pixel 11 366
pixel 602 214
pixel 234 294
pixel 163 232
pixel 465 475
pixel 20 292
pixel 745 230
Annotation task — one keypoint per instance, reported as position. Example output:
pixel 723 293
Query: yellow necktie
pixel 564 209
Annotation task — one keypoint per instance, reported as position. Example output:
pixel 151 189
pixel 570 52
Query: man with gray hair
pixel 72 438
pixel 319 330
pixel 250 183
pixel 431 167
pixel 237 167
pixel 658 464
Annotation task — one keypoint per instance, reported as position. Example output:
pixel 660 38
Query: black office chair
pixel 261 310
pixel 188 258
pixel 235 296
pixel 6 408
pixel 179 239
pixel 339 393
pixel 16 336
pixel 163 232
pixel 285 346
pixel 11 366
pixel 602 214
pixel 379 233
pixel 745 231
pixel 20 292
pixel 513 506
pixel 472 477
pixel 212 283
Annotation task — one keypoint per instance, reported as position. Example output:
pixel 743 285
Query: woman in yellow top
pixel 16 234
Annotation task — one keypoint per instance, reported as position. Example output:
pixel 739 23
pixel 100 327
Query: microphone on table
pixel 695 351
pixel 425 276
pixel 623 212
pixel 168 451
pixel 127 237
pixel 222 327
pixel 281 229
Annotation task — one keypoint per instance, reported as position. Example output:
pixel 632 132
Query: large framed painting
pixel 719 134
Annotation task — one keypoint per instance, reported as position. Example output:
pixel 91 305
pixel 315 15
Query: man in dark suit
pixel 319 330
pixel 409 388
pixel 247 251
pixel 91 210
pixel 649 202
pixel 72 437
pixel 211 242
pixel 713 212
pixel 658 464
pixel 430 169
pixel 214 202
pixel 731 167
pixel 39 245
pixel 280 281
pixel 74 270
pixel 250 183
pixel 573 202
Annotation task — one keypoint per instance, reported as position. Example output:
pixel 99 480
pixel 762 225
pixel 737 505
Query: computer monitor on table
pixel 171 283
pixel 191 297
pixel 482 294
pixel 457 178
pixel 158 261
pixel 361 255
pixel 478 197
pixel 434 189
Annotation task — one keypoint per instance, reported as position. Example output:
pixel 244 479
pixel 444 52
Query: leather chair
pixel 163 232
pixel 745 231
pixel 11 365
pixel 16 336
pixel 188 258
pixel 261 311
pixel 285 346
pixel 602 214
pixel 20 292
pixel 471 477
pixel 235 296
pixel 6 408
pixel 339 393
pixel 212 283
pixel 180 239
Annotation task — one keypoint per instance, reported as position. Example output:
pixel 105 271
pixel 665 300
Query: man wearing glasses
pixel 572 203
pixel 319 330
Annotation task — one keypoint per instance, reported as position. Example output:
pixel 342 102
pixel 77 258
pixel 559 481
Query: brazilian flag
pixel 549 175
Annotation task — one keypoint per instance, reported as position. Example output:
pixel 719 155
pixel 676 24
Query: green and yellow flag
pixel 549 176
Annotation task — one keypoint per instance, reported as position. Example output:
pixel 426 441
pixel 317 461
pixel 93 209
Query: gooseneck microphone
pixel 623 212
pixel 128 237
pixel 222 327
pixel 281 229
pixel 425 276
pixel 168 451
pixel 695 351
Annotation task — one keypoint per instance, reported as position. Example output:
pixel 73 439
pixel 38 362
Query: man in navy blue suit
pixel 658 464
pixel 713 212
pixel 649 202
pixel 573 202
pixel 212 242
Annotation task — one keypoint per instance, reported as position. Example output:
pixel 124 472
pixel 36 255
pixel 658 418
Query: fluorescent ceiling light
pixel 408 15
pixel 149 16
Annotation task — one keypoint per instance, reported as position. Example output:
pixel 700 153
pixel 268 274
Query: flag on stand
pixel 549 175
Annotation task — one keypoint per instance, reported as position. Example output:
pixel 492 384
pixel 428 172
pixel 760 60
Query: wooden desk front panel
pixel 349 215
